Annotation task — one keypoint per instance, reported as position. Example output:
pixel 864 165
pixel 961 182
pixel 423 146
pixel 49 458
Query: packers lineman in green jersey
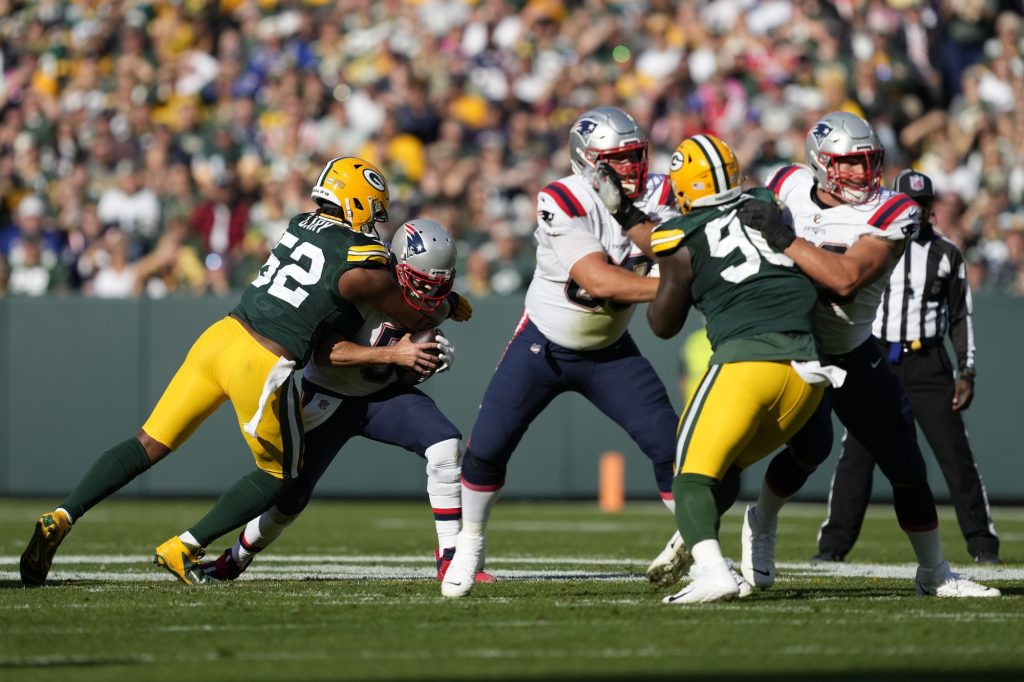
pixel 755 393
pixel 326 262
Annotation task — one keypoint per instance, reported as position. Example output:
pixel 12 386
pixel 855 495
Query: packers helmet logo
pixel 375 179
pixel 676 162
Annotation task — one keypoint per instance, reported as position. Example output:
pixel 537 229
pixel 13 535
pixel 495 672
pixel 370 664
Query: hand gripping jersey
pixel 740 283
pixel 377 330
pixel 572 223
pixel 843 325
pixel 296 296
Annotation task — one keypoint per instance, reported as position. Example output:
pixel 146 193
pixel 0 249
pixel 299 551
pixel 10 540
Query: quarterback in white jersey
pixel 358 392
pixel 843 323
pixel 847 235
pixel 591 270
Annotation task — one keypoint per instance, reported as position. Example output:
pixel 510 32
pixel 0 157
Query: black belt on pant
pixel 898 348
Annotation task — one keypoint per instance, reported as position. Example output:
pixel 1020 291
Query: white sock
pixel 189 539
pixel 927 547
pixel 768 506
pixel 669 501
pixel 258 534
pixel 476 508
pixel 707 551
pixel 444 490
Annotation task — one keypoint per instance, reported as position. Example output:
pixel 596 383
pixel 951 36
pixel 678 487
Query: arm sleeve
pixel 961 328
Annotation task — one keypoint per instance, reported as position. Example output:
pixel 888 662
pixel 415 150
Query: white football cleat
pixel 671 565
pixel 757 562
pixel 712 581
pixel 746 589
pixel 467 562
pixel 942 582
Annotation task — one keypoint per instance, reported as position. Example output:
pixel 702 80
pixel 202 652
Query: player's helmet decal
pixel 584 127
pixel 413 241
pixel 375 179
pixel 821 131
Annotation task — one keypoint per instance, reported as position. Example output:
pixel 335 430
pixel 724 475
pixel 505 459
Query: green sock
pixel 112 471
pixel 726 492
pixel 248 498
pixel 696 514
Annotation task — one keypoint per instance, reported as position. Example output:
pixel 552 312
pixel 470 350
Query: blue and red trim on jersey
pixel 890 210
pixel 666 198
pixel 565 199
pixel 775 184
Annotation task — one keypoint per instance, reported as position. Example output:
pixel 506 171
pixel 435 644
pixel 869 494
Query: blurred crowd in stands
pixel 158 148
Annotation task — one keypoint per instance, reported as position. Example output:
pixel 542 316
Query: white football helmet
pixel 842 136
pixel 424 254
pixel 612 135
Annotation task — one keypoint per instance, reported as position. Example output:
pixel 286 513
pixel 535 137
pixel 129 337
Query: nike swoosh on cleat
pixel 876 363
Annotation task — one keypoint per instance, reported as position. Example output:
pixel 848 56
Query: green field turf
pixel 348 593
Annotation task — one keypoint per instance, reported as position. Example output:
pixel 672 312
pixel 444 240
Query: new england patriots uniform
pixel 568 340
pixel 871 403
pixel 339 403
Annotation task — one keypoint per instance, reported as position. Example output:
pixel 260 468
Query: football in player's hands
pixel 407 376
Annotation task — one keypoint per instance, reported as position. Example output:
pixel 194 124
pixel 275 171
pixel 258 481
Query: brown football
pixel 410 377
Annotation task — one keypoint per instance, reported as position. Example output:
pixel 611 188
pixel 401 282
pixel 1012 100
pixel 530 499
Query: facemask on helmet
pixel 841 139
pixel 704 172
pixel 424 256
pixel 357 188
pixel 611 135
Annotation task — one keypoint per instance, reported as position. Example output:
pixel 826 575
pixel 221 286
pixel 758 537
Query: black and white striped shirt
pixel 928 296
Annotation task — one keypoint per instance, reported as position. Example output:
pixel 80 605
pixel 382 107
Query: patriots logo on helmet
pixel 821 131
pixel 584 127
pixel 413 241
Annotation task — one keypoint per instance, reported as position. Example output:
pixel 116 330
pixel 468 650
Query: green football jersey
pixel 758 305
pixel 295 297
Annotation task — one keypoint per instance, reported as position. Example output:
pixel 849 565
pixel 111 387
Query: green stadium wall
pixel 80 375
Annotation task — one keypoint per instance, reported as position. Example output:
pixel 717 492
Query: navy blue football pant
pixel 397 415
pixel 874 408
pixel 618 380
pixel 927 378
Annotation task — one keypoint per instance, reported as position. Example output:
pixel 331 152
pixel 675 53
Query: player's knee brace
pixel 444 461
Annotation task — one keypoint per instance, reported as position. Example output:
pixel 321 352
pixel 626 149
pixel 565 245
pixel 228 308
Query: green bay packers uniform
pixel 759 310
pixel 294 298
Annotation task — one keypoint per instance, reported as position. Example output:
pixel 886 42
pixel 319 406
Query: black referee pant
pixel 927 377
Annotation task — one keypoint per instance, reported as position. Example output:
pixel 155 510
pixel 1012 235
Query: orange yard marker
pixel 612 482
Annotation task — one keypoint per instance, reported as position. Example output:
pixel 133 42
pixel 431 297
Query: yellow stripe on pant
pixel 227 363
pixel 741 412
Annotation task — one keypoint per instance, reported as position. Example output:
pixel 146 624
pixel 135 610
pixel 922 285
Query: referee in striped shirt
pixel 927 298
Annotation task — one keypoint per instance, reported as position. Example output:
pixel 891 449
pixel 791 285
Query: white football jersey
pixel 572 222
pixel 377 330
pixel 844 325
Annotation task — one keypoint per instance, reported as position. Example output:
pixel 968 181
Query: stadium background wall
pixel 80 375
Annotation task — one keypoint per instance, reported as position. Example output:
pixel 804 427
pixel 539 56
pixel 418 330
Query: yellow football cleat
pixel 182 561
pixel 51 529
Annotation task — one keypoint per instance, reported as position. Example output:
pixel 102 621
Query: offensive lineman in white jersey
pixel 591 270
pixel 847 234
pixel 358 392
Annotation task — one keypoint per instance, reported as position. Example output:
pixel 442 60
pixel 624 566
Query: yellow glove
pixel 461 308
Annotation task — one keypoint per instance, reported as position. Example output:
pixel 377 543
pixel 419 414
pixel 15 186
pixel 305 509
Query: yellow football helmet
pixel 704 172
pixel 358 188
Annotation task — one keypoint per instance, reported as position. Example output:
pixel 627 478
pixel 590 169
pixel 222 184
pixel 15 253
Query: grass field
pixel 348 594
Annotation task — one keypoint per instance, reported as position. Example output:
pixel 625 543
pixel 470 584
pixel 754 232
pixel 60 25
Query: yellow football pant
pixel 741 412
pixel 227 363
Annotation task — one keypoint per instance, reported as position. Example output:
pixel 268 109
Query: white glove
pixel 606 188
pixel 447 355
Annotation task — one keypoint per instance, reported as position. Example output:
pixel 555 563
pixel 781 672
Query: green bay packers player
pixel 326 263
pixel 763 380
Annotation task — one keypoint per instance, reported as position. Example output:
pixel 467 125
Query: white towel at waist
pixel 279 373
pixel 816 374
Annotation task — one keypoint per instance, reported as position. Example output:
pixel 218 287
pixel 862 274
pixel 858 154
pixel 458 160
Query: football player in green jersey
pixel 327 264
pixel 763 380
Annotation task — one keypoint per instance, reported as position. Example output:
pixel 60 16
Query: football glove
pixel 447 354
pixel 460 309
pixel 608 186
pixel 766 218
